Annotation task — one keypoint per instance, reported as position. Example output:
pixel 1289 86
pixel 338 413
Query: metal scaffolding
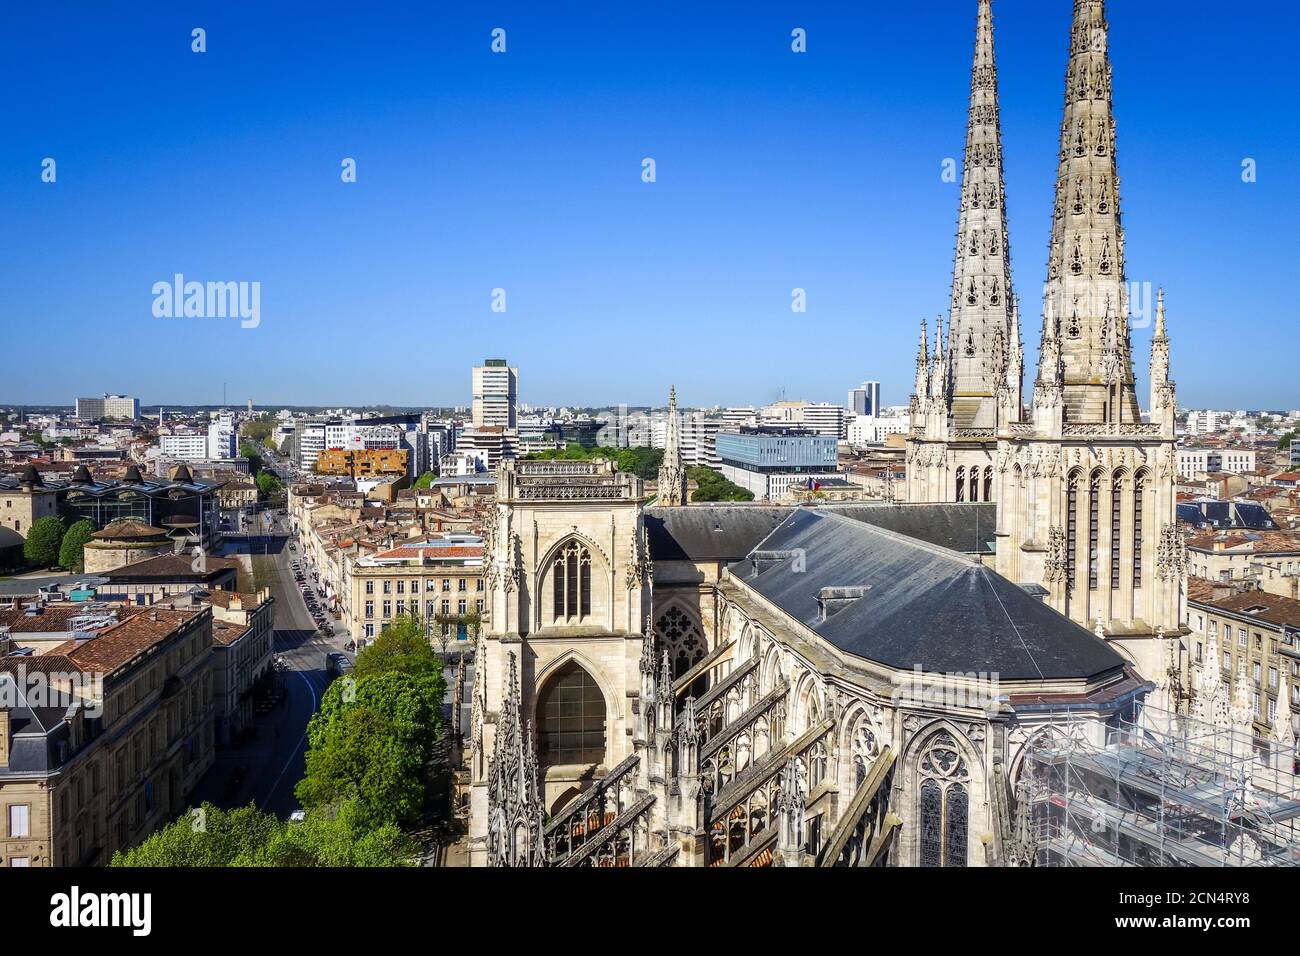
pixel 1160 790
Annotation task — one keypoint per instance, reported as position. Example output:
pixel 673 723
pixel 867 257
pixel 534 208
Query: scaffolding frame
pixel 1162 790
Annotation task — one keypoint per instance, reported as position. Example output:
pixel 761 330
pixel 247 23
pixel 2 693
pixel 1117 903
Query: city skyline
pixel 522 171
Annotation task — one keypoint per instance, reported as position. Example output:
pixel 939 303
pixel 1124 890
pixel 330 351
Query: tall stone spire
pixel 982 297
pixel 672 472
pixel 1086 301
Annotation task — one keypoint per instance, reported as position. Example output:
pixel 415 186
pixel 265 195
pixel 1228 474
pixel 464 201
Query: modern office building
pixel 496 394
pixel 110 406
pixel 767 461
pixel 865 400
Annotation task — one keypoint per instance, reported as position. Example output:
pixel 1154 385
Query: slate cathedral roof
pixel 902 602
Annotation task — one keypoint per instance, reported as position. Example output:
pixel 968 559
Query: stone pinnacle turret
pixel 672 472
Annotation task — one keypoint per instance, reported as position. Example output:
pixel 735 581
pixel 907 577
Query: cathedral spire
pixel 982 296
pixel 672 472
pixel 1086 297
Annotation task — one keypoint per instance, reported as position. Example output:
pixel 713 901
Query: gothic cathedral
pixel 1084 486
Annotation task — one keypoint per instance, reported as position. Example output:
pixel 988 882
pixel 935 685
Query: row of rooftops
pixel 1274 609
pixel 1257 542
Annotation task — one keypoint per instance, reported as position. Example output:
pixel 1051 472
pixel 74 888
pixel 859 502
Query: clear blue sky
pixel 522 171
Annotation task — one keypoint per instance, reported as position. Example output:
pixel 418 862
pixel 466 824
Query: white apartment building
pixel 1207 422
pixel 1194 460
pixel 870 430
pixel 187 446
pixel 496 394
pixel 825 419
pixel 733 419
pixel 311 442
pixel 697 439
pixel 223 437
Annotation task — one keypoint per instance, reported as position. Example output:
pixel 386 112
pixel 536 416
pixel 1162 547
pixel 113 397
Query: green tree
pixel 268 484
pixel 372 741
pixel 249 450
pixel 207 836
pixel 363 756
pixel 1284 442
pixel 72 549
pixel 713 487
pixel 211 837
pixel 334 838
pixel 42 545
pixel 401 647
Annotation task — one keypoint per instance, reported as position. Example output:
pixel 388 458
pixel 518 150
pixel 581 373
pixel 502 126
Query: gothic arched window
pixel 865 751
pixel 1071 529
pixel 571 583
pixel 988 483
pixel 1116 512
pixel 1094 528
pixel 571 719
pixel 944 803
pixel 1139 488
pixel 961 484
pixel 683 638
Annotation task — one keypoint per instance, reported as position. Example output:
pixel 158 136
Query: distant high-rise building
pixel 865 400
pixel 496 394
pixel 223 437
pixel 110 406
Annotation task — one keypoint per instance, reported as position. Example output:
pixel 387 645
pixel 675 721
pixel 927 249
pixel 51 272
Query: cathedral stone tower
pixel 567 571
pixel 672 472
pixel 1086 489
pixel 968 391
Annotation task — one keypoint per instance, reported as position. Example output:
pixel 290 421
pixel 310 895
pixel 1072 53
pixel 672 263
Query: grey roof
pixel 36 730
pixel 923 606
pixel 729 532
pixel 966 527
pixel 709 532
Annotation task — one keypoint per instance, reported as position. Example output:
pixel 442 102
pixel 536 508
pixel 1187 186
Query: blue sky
pixel 522 171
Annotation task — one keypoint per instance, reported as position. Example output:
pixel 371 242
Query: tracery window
pixel 988 483
pixel 961 484
pixel 571 719
pixel 571 583
pixel 683 638
pixel 944 798
pixel 866 748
